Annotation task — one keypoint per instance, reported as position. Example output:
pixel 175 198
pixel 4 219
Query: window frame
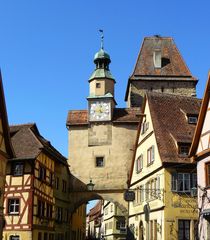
pixel 97 158
pixel 175 179
pixel 139 163
pixel 42 173
pixel 181 149
pixel 150 155
pixel 14 237
pixel 207 174
pixel 18 172
pixel 15 205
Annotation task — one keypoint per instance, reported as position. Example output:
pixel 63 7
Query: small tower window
pixel 98 85
pixel 99 161
pixel 157 58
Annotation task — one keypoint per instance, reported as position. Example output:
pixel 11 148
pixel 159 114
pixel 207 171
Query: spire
pixel 102 38
pixel 102 61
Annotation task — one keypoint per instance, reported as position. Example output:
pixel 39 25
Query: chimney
pixel 157 58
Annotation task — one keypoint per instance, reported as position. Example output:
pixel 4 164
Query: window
pixel 184 150
pixel 183 182
pixel 40 208
pixel 150 155
pixel 64 186
pixel 14 237
pixel 42 173
pixel 39 236
pixel 139 163
pixel 45 236
pixel 49 211
pixel 99 161
pixel 207 166
pixel 145 127
pixel 17 169
pixel 183 230
pixel 59 214
pixel 13 206
pixel 141 193
pixel 57 182
pixel 51 236
pixel 98 85
pixel 120 224
pixel 192 119
pixel 51 178
pixel 152 189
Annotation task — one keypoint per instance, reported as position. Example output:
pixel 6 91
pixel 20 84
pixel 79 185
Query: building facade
pixel 114 222
pixel 200 152
pixel 6 150
pixel 162 173
pixel 33 209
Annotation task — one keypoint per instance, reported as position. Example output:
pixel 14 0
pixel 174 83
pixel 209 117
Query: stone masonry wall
pixel 138 88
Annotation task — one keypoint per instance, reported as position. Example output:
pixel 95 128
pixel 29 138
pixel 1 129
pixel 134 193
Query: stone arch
pixel 82 197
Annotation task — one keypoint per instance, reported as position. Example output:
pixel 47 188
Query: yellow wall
pixel 165 206
pixel 79 221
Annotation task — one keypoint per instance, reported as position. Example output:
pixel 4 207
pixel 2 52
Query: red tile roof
pixel 169 117
pixel 28 143
pixel 172 61
pixel 121 115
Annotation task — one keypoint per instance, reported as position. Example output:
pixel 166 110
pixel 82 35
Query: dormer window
pixel 184 150
pixel 192 119
pixel 157 58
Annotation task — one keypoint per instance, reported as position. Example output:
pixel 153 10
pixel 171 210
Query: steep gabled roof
pixel 121 115
pixel 28 142
pixel 169 117
pixel 172 61
pixel 202 114
pixel 3 115
pixel 173 66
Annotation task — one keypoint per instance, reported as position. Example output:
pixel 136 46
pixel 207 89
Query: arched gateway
pixel 101 140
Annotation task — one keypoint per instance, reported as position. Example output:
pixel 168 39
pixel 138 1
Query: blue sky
pixel 47 49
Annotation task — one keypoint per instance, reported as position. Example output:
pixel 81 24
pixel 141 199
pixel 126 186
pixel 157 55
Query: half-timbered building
pixel 6 150
pixel 200 151
pixel 30 202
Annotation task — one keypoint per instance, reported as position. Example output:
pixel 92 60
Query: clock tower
pixel 101 100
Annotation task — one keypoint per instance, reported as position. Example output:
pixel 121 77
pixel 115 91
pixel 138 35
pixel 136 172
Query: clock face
pixel 99 111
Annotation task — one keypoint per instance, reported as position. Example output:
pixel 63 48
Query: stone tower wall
pixel 138 88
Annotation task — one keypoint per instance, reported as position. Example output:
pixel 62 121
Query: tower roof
pixel 172 63
pixel 102 61
pixel 101 54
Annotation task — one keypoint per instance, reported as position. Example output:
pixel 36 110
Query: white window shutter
pixel 153 154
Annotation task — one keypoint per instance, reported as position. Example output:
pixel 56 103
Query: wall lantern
pixel 90 185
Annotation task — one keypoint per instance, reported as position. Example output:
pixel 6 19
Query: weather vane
pixel 102 38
